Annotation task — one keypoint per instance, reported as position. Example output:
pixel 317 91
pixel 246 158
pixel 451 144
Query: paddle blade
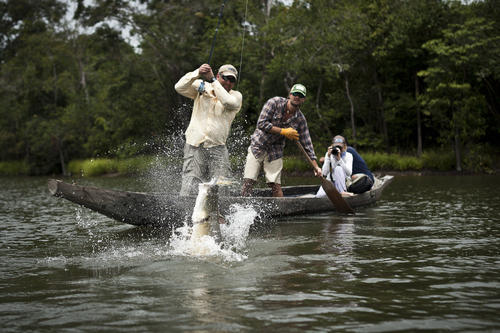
pixel 335 197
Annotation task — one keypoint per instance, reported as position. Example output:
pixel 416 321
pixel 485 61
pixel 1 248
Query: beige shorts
pixel 272 170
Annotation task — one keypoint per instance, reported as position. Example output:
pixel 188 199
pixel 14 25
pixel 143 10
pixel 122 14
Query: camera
pixel 335 150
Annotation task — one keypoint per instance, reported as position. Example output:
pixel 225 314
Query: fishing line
pixel 216 30
pixel 201 88
pixel 242 39
pixel 242 43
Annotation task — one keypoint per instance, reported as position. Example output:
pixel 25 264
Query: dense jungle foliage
pixel 393 76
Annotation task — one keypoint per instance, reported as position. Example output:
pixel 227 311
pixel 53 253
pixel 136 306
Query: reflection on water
pixel 427 257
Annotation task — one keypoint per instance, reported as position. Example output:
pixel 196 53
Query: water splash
pixel 234 235
pixel 163 173
pixel 163 176
pixel 235 231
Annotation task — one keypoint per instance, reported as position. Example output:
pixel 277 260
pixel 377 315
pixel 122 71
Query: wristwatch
pixel 212 79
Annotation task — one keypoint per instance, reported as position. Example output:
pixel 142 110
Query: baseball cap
pixel 298 88
pixel 338 140
pixel 228 70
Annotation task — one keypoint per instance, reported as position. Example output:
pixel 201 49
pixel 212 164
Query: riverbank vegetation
pixel 413 85
pixel 378 162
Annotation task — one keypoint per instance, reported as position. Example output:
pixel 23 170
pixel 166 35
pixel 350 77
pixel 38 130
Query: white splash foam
pixel 234 235
pixel 238 222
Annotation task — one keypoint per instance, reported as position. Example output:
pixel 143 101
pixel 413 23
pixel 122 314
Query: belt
pixel 202 145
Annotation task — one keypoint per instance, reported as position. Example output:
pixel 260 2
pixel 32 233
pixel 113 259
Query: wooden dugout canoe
pixel 168 210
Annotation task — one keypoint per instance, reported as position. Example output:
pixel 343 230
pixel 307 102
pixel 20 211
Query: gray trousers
pixel 201 165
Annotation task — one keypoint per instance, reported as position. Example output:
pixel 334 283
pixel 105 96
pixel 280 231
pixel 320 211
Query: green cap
pixel 298 88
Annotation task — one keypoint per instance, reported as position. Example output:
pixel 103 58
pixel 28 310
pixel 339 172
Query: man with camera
pixel 337 166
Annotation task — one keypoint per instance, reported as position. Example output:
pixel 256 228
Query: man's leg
pixel 339 179
pixel 272 171
pixel 191 171
pixel 361 183
pixel 247 187
pixel 252 169
pixel 276 189
pixel 217 162
pixel 321 193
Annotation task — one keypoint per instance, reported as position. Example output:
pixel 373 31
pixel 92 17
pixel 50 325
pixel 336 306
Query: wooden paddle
pixel 335 197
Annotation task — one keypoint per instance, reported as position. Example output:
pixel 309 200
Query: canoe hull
pixel 161 209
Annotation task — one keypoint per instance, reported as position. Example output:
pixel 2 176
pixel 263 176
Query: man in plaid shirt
pixel 280 118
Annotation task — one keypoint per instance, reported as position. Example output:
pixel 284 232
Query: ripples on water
pixel 425 258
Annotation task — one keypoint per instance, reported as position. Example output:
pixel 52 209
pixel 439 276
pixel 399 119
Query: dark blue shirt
pixel 358 164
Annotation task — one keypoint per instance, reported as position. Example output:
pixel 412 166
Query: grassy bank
pixel 434 161
pixel 377 162
pixel 102 166
pixel 14 168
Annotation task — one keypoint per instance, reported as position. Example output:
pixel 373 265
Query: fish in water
pixel 206 217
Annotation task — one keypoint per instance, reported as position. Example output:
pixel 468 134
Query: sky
pixel 125 31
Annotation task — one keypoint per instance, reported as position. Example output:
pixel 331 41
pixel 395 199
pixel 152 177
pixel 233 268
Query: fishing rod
pixel 216 30
pixel 215 36
pixel 201 88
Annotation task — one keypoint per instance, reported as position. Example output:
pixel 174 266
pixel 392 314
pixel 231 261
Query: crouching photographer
pixel 337 166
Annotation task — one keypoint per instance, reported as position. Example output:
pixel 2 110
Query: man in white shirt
pixel 214 109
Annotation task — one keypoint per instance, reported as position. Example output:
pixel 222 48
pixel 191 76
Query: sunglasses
pixel 229 78
pixel 298 94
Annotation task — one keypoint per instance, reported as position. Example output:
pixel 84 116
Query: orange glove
pixel 290 133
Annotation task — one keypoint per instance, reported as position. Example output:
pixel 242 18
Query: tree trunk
pixel 458 157
pixel 348 93
pixel 383 123
pixel 419 121
pixel 269 5
pixel 324 124
pixel 261 89
pixel 318 94
pixel 83 80
pixel 54 72
pixel 61 156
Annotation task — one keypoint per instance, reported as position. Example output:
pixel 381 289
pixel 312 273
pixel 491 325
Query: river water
pixel 426 257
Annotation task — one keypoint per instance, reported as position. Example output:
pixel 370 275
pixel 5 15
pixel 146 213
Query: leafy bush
pixel 479 159
pixel 292 164
pixel 435 160
pixel 92 167
pixel 409 163
pixel 75 167
pixel 237 163
pixel 101 166
pixel 14 168
pixel 438 160
pixel 134 165
pixel 377 161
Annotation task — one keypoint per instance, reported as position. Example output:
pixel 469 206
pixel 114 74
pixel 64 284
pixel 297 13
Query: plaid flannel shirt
pixel 262 141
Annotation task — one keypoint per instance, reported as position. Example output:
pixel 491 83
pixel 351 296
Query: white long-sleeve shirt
pixel 213 111
pixel 330 163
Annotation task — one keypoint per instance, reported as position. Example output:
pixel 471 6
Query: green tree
pixel 461 55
